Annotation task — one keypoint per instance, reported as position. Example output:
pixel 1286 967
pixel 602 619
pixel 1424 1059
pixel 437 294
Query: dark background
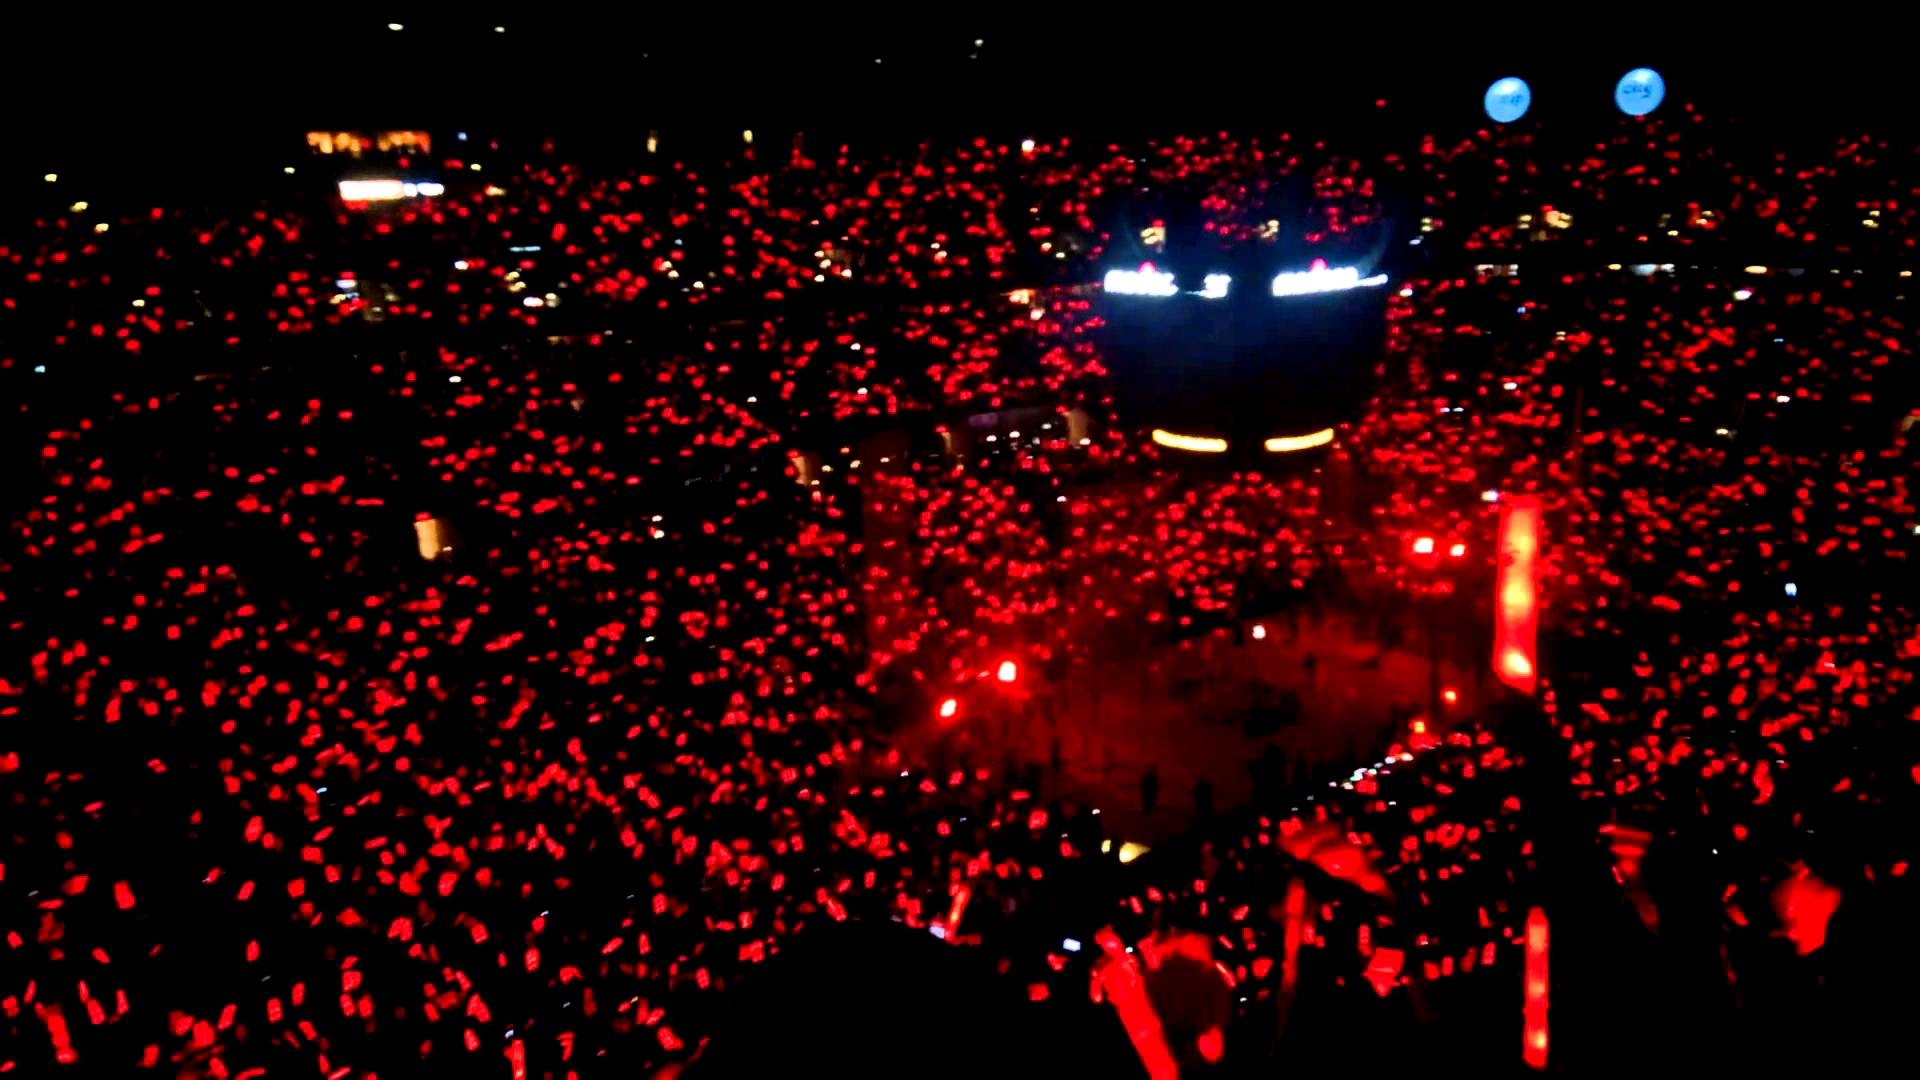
pixel 89 82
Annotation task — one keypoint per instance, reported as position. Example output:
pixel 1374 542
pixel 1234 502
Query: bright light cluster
pixel 1193 444
pixel 1288 444
pixel 1322 279
pixel 1215 286
pixel 1145 281
pixel 389 190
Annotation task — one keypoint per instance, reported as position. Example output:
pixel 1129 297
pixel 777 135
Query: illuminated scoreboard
pixel 359 144
pixel 1245 362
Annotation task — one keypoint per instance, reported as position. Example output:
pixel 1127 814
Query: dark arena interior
pixel 611 545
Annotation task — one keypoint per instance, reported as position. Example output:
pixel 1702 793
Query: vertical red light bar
pixel 1296 910
pixel 1124 987
pixel 1533 1048
pixel 1516 600
pixel 962 893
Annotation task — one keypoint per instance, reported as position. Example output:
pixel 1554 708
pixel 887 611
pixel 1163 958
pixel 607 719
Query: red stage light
pixel 1008 672
pixel 1534 1012
pixel 1516 594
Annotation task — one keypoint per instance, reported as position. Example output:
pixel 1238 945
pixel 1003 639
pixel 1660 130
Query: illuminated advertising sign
pixel 354 143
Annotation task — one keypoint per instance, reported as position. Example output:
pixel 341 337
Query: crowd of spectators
pixel 469 634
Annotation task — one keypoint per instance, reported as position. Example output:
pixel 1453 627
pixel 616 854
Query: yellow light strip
pixel 1194 443
pixel 1287 444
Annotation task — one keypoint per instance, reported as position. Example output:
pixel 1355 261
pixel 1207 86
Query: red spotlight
pixel 1450 696
pixel 1423 545
pixel 1457 550
pixel 1008 672
pixel 1259 632
pixel 949 708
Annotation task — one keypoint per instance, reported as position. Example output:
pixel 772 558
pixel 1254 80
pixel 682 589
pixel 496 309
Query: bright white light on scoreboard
pixel 1214 287
pixel 1288 444
pixel 1193 444
pixel 1323 279
pixel 1145 281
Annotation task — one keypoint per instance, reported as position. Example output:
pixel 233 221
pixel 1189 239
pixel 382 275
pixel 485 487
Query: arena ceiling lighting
pixel 1289 444
pixel 1194 444
pixel 1323 279
pixel 1145 281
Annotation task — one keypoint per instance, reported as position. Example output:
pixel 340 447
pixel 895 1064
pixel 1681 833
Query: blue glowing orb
pixel 1640 91
pixel 1507 100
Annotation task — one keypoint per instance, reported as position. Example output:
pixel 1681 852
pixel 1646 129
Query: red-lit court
pixel 1192 712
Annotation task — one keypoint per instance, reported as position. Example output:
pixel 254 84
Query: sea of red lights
pixel 284 798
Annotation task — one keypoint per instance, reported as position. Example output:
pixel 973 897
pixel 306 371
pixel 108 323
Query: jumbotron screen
pixel 1244 338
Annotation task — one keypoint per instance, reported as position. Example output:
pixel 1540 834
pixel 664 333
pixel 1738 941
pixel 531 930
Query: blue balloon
pixel 1640 91
pixel 1507 100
